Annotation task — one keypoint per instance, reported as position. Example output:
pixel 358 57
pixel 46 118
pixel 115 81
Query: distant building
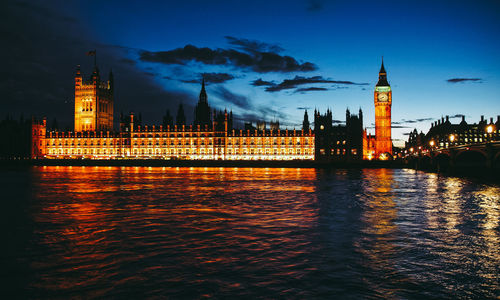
pixel 444 134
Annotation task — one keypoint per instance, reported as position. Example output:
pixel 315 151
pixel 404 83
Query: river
pixel 149 232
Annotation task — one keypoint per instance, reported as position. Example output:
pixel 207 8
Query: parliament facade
pixel 210 137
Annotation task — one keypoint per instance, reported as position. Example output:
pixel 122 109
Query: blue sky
pixel 424 44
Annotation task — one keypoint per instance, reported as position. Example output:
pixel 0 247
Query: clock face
pixel 383 97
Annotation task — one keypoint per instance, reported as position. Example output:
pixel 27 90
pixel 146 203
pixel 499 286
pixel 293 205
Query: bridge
pixel 476 156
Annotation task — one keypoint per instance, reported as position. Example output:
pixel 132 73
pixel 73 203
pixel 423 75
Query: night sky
pixel 262 59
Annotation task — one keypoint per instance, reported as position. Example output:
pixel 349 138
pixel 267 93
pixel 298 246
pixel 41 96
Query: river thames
pixel 149 232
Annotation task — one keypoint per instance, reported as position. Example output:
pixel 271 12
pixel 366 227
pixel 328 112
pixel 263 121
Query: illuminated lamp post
pixel 452 139
pixel 489 130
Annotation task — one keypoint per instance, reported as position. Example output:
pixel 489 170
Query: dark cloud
pixel 209 78
pixel 260 62
pixel 299 80
pixel 314 5
pixel 310 89
pixel 457 116
pixel 127 61
pixel 338 122
pixel 303 107
pixel 260 82
pixel 252 113
pixel 412 121
pixel 424 119
pixel 253 46
pixel 217 77
pixel 230 97
pixel 43 50
pixel 35 9
pixel 457 80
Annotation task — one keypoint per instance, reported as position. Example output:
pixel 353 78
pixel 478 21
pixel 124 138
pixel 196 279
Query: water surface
pixel 132 232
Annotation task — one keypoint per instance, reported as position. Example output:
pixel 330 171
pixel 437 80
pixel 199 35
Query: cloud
pixel 299 80
pixel 252 113
pixel 412 121
pixel 253 46
pixel 41 82
pixel 338 122
pixel 209 78
pixel 456 116
pixel 43 12
pixel 260 62
pixel 127 61
pixel 303 107
pixel 310 89
pixel 462 80
pixel 230 97
pixel 260 82
pixel 314 5
pixel 217 77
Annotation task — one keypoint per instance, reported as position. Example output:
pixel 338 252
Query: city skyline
pixel 312 54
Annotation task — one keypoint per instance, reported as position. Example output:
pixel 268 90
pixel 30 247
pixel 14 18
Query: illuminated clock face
pixel 382 97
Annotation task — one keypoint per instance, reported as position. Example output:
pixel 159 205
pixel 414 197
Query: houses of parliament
pixel 212 135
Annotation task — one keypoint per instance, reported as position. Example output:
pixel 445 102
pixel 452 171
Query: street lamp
pixel 431 143
pixel 489 129
pixel 452 138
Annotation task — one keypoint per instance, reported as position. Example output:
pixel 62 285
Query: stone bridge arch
pixel 471 158
pixel 496 160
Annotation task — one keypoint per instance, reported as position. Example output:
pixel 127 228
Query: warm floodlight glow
pixel 452 138
pixel 384 156
pixel 489 129
pixel 431 143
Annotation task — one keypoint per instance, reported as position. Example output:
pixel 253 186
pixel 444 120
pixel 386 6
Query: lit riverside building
pixel 380 145
pixel 208 139
pixel 212 136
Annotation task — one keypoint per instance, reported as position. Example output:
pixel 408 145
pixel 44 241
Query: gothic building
pixel 338 142
pixel 93 102
pixel 380 145
pixel 211 137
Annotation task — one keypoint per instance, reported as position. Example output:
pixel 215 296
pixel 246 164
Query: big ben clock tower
pixel 383 102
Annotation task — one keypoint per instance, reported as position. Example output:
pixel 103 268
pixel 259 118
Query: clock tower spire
pixel 383 104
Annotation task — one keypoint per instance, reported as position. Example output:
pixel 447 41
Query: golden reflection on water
pixel 379 227
pixel 104 208
pixel 146 223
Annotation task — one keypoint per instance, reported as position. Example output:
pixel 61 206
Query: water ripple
pixel 131 232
